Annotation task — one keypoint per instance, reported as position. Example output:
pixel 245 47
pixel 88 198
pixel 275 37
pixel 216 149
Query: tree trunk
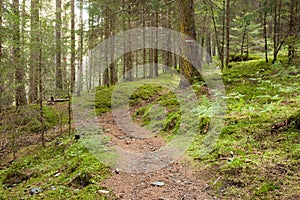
pixel 73 52
pixel 58 73
pixel 277 27
pixel 208 47
pixel 112 66
pixel 243 41
pixel 19 70
pixel 151 52
pixel 187 27
pixel 227 27
pixel 291 47
pixel 34 52
pixel 129 54
pixel 124 46
pixel 80 51
pixel 169 54
pixel 144 44
pixel 220 47
pixel 40 83
pixel 106 81
pixel 265 31
pixel 1 82
pixel 156 46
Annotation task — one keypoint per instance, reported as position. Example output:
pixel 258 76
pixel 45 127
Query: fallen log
pixel 52 100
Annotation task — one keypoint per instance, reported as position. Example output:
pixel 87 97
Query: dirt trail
pixel 180 180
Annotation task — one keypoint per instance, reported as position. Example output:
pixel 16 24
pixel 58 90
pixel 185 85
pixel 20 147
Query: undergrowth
pixel 63 170
pixel 253 161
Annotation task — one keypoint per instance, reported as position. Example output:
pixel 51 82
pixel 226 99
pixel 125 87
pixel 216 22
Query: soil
pixel 181 180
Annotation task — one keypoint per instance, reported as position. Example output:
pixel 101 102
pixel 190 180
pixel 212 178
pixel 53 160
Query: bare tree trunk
pixel 19 70
pixel 73 52
pixel 265 31
pixel 144 44
pixel 1 82
pixel 291 47
pixel 277 27
pixel 34 51
pixel 40 77
pixel 243 41
pixel 156 46
pixel 58 74
pixel 80 51
pixel 125 55
pixel 227 27
pixel 220 47
pixel 169 58
pixel 208 47
pixel 129 54
pixel 151 52
pixel 112 67
pixel 106 53
pixel 137 64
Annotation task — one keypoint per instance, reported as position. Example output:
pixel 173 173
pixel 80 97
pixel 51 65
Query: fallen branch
pixel 52 100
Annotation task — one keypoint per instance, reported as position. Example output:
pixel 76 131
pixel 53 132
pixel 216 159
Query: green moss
pixel 173 122
pixel 103 99
pixel 265 188
pixel 145 93
pixel 61 172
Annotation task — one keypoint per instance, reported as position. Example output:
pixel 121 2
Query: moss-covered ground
pixel 250 160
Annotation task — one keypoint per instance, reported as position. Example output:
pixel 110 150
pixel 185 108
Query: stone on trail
pixel 35 191
pixel 103 191
pixel 158 183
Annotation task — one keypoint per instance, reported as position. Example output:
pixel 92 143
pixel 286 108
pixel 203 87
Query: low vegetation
pixel 257 155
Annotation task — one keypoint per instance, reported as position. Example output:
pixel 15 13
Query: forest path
pixel 181 180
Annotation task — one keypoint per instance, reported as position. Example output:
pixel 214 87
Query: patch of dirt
pixel 125 141
pixel 180 180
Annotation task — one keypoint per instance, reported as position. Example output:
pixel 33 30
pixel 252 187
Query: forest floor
pixel 257 155
pixel 181 179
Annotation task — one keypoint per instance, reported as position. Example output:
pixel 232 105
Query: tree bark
pixel 144 43
pixel 220 47
pixel 106 81
pixel 208 47
pixel 41 91
pixel 112 67
pixel 19 70
pixel 73 52
pixel 277 27
pixel 243 41
pixel 265 30
pixel 58 73
pixel 80 51
pixel 1 82
pixel 227 27
pixel 151 52
pixel 187 27
pixel 34 52
pixel 129 54
pixel 156 45
pixel 291 47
